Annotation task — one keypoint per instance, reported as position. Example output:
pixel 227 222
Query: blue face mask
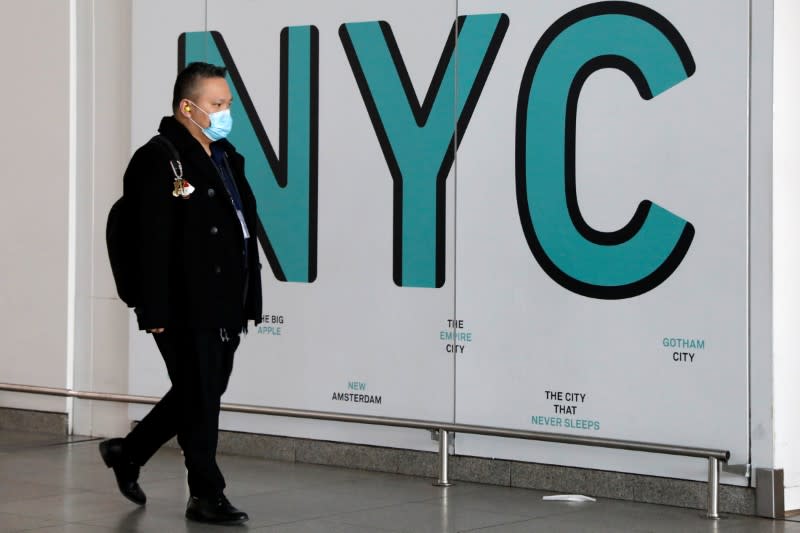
pixel 221 123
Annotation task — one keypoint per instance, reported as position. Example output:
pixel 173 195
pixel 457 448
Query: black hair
pixel 186 82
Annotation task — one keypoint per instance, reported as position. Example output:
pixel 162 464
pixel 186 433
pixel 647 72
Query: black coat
pixel 190 251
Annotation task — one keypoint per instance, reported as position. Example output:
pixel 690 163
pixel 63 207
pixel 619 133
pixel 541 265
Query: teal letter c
pixel 606 265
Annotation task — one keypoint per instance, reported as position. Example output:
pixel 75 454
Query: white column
pixel 35 150
pixel 786 246
pixel 103 150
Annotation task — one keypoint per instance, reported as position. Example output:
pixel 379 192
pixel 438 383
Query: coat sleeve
pixel 150 181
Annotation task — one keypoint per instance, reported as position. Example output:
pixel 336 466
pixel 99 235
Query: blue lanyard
pixel 221 162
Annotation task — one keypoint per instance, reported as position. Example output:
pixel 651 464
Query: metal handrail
pixel 714 456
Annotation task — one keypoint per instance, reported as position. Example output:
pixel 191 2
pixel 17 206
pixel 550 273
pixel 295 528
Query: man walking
pixel 198 284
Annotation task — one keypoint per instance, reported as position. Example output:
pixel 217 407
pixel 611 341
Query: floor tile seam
pixel 277 491
pixel 311 485
pixel 549 515
pixel 144 479
pixel 248 495
pixel 34 498
pixel 42 446
pixel 637 500
pixel 532 516
pixel 659 507
pixel 379 529
pixel 512 515
pixel 91 522
pixel 83 440
pixel 163 500
pixel 327 516
pixel 650 516
pixel 568 511
pixel 332 484
pixel 507 521
pixel 400 499
pixel 353 469
pixel 95 521
pixel 484 528
pixel 325 487
pixel 371 526
pixel 426 502
pixel 17 515
pixel 340 482
pixel 100 516
pixel 18 477
pixel 83 521
pixel 375 508
pixel 466 489
pixel 37 528
pixel 300 521
pixel 387 506
pixel 531 519
pixel 353 474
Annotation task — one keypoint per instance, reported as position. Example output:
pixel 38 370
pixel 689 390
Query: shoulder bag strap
pixel 175 158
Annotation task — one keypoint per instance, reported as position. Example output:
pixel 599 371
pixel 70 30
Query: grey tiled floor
pixel 54 485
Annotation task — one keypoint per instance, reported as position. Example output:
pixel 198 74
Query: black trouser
pixel 199 363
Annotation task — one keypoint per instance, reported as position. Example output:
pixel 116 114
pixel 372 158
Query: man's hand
pixel 156 330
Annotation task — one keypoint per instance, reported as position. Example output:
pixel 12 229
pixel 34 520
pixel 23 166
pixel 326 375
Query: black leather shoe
pixel 126 472
pixel 215 510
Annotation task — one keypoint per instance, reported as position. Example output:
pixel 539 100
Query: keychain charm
pixel 182 188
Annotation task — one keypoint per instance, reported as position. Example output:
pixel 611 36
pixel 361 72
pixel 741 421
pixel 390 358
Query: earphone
pixel 187 108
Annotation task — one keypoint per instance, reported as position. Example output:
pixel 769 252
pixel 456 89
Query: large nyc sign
pixel 419 142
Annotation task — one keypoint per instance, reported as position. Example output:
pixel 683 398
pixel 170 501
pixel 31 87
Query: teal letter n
pixel 285 187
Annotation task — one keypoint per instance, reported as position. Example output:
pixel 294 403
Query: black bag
pixel 120 233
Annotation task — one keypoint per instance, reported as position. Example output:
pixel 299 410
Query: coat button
pixel 211 193
pixel 214 230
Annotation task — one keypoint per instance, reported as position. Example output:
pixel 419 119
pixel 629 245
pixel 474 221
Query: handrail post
pixel 444 454
pixel 713 489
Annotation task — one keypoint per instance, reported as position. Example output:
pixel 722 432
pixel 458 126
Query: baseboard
pixel 792 500
pixel 34 421
pixel 597 483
